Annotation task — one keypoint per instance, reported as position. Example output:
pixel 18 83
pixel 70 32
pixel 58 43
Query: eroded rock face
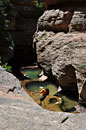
pixel 63 55
pixel 55 20
pixel 63 21
pixel 83 93
pixel 78 22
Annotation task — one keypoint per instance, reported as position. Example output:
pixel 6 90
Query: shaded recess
pixel 22 34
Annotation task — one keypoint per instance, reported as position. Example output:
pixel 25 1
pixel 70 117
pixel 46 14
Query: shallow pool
pixel 33 86
pixel 37 85
pixel 31 72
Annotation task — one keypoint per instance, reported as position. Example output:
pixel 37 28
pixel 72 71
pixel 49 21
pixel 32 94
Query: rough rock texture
pixel 78 21
pixel 83 93
pixel 55 20
pixel 8 83
pixel 63 21
pixel 20 112
pixel 62 55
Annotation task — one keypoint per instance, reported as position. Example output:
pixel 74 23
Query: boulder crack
pixel 64 119
pixel 11 90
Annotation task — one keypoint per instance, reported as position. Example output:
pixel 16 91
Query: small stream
pixel 51 102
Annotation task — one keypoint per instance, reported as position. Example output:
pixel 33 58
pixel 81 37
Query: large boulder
pixel 63 56
pixel 63 21
pixel 55 20
pixel 78 21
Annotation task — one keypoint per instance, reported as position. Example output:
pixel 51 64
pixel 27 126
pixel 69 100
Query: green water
pixel 36 86
pixel 66 105
pixel 31 73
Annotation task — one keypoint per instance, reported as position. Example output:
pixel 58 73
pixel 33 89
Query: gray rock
pixel 78 119
pixel 8 82
pixel 78 22
pixel 63 21
pixel 63 56
pixel 83 93
pixel 20 113
pixel 54 20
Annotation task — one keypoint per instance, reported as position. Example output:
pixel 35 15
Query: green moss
pixel 67 105
pixel 38 4
pixel 6 67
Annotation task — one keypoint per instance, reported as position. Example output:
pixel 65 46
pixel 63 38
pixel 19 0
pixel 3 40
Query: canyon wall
pixel 21 27
pixel 61 41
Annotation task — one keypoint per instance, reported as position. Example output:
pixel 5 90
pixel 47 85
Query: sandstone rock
pixel 63 56
pixel 63 21
pixel 78 22
pixel 8 83
pixel 55 20
pixel 83 94
pixel 20 113
pixel 43 78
